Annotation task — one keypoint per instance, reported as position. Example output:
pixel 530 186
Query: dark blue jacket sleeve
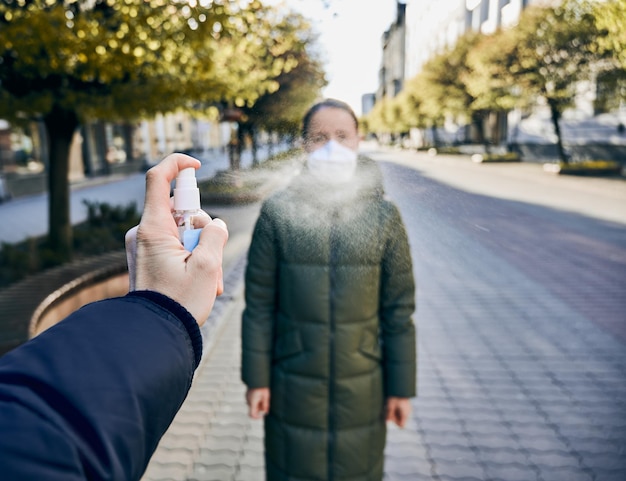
pixel 91 397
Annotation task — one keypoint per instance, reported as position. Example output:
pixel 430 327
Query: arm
pixel 258 316
pixel 90 397
pixel 397 307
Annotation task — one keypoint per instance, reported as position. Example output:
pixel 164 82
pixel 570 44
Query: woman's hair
pixel 332 103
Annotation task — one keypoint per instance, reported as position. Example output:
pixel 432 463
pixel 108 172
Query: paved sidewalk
pixel 212 437
pixel 515 382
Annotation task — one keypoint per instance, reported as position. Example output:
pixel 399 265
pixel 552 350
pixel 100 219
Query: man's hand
pixel 258 402
pixel 398 410
pixel 157 261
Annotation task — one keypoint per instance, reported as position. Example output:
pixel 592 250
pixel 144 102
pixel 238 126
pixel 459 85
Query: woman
pixel 328 340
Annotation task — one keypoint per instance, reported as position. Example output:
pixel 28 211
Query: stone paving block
pixel 254 437
pixel 255 428
pixel 405 444
pixel 202 404
pixel 176 456
pixel 180 441
pixel 515 473
pixel 234 403
pixel 252 459
pixel 430 424
pixel 165 472
pixel 457 454
pixel 533 431
pixel 483 414
pixel 432 398
pixel 210 392
pixel 405 450
pixel 449 438
pixel 230 443
pixel 514 407
pixel 568 417
pixel 226 415
pixel 407 477
pixel 209 372
pixel 407 466
pixel 233 397
pixel 188 429
pixel 553 443
pixel 254 448
pixel 555 459
pixel 212 473
pixel 503 456
pixel 460 470
pixel 477 428
pixel 228 429
pixel 610 474
pixel 489 441
pixel 217 458
pixel 444 413
pixel 191 415
pixel 607 461
pixel 247 473
pixel 597 445
pixel 570 474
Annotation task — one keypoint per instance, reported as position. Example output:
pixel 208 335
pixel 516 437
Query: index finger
pixel 158 182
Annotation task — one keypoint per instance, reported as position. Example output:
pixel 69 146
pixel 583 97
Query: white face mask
pixel 332 163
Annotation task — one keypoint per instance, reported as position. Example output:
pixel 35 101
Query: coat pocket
pixel 287 345
pixel 370 347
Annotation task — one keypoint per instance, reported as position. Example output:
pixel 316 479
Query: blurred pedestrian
pixel 329 348
pixel 90 397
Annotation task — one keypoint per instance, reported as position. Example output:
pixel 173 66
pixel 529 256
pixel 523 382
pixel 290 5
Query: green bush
pixel 586 167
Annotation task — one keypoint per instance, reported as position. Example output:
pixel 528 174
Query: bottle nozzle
pixel 186 192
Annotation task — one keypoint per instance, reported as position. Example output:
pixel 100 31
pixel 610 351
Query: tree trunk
pixel 128 130
pixel 433 129
pixel 555 113
pixel 270 144
pixel 60 127
pixel 241 142
pixel 234 159
pixel 478 119
pixel 253 145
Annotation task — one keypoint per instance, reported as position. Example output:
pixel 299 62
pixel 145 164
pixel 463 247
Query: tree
pixel 376 120
pixel 488 78
pixel 429 97
pixel 64 62
pixel 610 18
pixel 555 48
pixel 281 110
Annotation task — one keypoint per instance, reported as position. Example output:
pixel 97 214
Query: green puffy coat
pixel 327 326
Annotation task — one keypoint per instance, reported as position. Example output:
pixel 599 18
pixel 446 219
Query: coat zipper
pixel 331 346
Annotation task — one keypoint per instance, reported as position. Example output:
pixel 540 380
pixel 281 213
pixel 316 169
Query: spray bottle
pixel 186 207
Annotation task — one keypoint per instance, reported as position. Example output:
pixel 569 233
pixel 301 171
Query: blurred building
pixel 392 72
pixel 432 27
pixel 367 103
pixel 103 148
pixel 424 28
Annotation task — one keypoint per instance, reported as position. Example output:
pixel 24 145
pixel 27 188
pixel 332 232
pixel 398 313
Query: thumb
pixel 130 241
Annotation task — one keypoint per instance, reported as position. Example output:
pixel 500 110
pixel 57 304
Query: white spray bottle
pixel 186 207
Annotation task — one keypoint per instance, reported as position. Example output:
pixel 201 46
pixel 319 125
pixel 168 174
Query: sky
pixel 350 37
